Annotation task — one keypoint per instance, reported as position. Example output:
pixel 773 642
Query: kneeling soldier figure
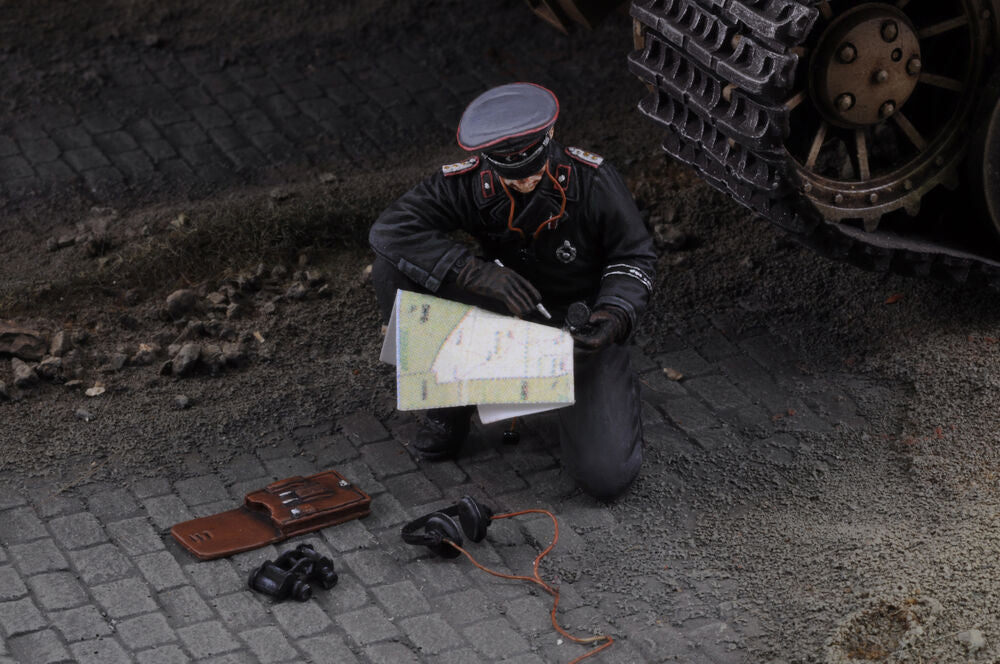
pixel 556 225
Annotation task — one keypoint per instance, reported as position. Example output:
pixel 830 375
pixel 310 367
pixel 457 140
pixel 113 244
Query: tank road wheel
pixel 884 114
pixel 831 118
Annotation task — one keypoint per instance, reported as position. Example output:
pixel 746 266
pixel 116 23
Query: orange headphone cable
pixel 547 222
pixel 537 580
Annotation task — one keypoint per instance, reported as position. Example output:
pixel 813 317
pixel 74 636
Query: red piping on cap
pixel 522 133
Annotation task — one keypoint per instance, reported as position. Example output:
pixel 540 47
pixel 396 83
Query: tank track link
pixel 718 73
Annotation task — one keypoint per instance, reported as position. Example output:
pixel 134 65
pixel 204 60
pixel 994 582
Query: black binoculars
pixel 293 574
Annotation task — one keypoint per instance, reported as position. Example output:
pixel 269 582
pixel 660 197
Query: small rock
pixel 80 336
pixel 672 374
pixel 216 298
pixel 279 272
pixel 21 342
pixel 279 194
pixel 180 302
pixel 296 291
pixel 213 359
pixel 151 40
pixel 186 359
pixel 84 414
pixel 50 368
pixel 313 277
pixel 74 384
pixel 166 368
pixel 145 355
pixel 114 363
pixel 235 353
pixel 668 236
pixel 366 273
pixel 132 297
pixel 324 291
pixel 182 402
pixel 60 344
pixel 4 394
pixel 24 374
pixel 269 308
pixel 303 260
pixel 328 178
pixel 193 330
pixel 972 639
pixel 95 391
pixel 235 310
pixel 180 221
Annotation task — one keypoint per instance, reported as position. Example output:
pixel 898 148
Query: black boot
pixel 442 432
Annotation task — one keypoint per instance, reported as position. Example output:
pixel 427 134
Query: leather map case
pixel 280 510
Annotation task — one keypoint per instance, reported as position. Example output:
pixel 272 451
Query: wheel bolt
pixel 890 31
pixel 914 66
pixel 881 76
pixel 847 53
pixel 845 102
pixel 887 109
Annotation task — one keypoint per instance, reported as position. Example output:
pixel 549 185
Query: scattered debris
pixel 145 355
pixel 115 363
pixel 24 374
pixel 186 358
pixel 668 236
pixel 893 299
pixel 50 368
pixel 672 374
pixel 328 178
pixel 973 640
pixel 182 402
pixel 297 291
pixel 180 302
pixel 21 342
pixel 4 394
pixel 84 414
pixel 95 391
pixel 60 344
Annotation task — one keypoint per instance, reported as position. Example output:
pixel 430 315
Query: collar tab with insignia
pixel 586 157
pixel 460 167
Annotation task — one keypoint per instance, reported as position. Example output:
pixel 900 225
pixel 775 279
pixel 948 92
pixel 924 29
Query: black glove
pixel 607 325
pixel 500 283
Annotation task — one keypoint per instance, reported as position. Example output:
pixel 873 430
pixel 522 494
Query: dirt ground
pixel 893 515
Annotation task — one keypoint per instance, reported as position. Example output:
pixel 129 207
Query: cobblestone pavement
pixel 92 574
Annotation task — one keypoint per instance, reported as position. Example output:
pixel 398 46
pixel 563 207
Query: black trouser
pixel 600 435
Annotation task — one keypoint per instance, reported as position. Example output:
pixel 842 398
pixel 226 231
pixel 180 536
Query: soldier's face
pixel 528 184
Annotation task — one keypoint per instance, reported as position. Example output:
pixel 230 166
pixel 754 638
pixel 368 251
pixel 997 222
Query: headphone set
pixel 436 529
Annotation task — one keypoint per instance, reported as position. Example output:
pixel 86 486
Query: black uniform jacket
pixel 597 250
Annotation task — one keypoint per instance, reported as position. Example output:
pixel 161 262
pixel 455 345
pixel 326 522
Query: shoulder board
pixel 460 167
pixel 588 158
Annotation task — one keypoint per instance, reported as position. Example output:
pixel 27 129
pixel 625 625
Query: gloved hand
pixel 500 283
pixel 607 325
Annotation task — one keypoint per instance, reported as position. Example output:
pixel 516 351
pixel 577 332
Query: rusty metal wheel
pixel 888 92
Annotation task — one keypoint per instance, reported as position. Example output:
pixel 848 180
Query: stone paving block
pixel 211 117
pixel 100 651
pixel 38 556
pixel 434 577
pixel 466 606
pixel 145 631
pixel 207 509
pixel 177 170
pixel 431 633
pixel 401 599
pixel 20 616
pixel 207 638
pixel 718 392
pixel 11 586
pixel 215 577
pixel 101 563
pixel 386 512
pixel 165 511
pixel 249 560
pixel 184 606
pixel 495 478
pixel 686 361
pixel 40 151
pixel 349 536
pixel 269 644
pixel 326 649
pixel 387 458
pixel 241 610
pixel 300 619
pixel 20 524
pixel 116 142
pixel 290 467
pixel 112 505
pixel 530 614
pixel 135 536
pixel 259 87
pixel 55 172
pixel 185 134
pixel 202 157
pixel 390 653
pixel 57 590
pixel 373 567
pixel 495 639
pixel 690 415
pixel 362 428
pixel 234 101
pixel 77 531
pixel 367 625
pixel 159 150
pixel 70 138
pixel 462 656
pixel 200 490
pixel 254 122
pixel 135 165
pixel 228 138
pixel 169 654
pixel 8 146
pixel 192 98
pixel 23 188
pixel 125 598
pixel 83 159
pixel 85 622
pixel 42 647
pixel 103 181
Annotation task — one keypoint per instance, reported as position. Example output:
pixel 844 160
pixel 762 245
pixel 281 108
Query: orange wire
pixel 544 224
pixel 537 580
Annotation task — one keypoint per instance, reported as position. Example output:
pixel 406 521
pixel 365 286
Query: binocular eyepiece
pixel 293 574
